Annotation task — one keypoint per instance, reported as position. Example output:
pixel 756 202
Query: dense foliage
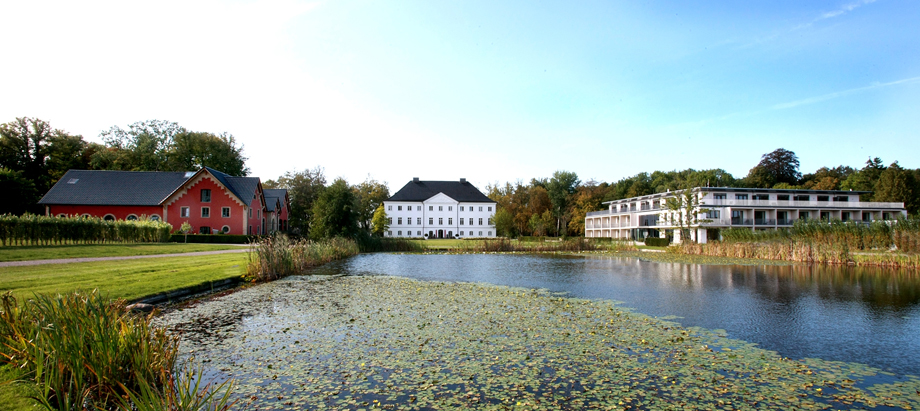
pixel 32 229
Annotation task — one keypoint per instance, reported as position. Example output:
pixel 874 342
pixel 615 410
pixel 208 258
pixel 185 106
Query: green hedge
pixel 532 239
pixel 32 229
pixel 656 242
pixel 214 238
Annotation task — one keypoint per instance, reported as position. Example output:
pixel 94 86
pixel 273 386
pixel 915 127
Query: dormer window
pixel 205 195
pixel 73 181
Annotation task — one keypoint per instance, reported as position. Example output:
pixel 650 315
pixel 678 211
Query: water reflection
pixel 851 314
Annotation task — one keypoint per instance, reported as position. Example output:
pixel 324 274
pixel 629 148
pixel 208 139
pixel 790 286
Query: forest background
pixel 33 156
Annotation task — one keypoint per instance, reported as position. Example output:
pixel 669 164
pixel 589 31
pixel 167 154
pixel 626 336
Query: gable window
pixel 225 212
pixel 205 195
pixel 183 212
pixel 205 212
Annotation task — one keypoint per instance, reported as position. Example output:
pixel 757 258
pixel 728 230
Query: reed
pixel 570 245
pixel 32 229
pixel 278 256
pixel 81 351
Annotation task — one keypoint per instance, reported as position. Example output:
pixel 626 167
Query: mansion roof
pixel 461 191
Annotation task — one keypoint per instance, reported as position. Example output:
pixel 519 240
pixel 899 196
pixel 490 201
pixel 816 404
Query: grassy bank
pixel 395 343
pixel 129 279
pixel 26 253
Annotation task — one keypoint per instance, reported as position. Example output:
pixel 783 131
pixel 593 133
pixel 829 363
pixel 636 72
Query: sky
pixel 491 91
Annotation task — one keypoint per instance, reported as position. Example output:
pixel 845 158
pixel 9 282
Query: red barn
pixel 209 200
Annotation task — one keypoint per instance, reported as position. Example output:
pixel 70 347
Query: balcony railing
pixel 818 204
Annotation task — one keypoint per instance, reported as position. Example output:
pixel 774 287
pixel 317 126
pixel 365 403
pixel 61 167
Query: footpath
pixel 131 257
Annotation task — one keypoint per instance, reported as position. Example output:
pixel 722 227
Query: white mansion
pixel 723 207
pixel 440 209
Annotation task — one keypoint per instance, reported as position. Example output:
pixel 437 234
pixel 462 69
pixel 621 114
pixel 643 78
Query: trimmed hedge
pixel 32 229
pixel 214 238
pixel 656 242
pixel 531 239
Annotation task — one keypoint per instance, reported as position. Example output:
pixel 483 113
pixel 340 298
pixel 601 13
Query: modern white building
pixel 440 209
pixel 723 207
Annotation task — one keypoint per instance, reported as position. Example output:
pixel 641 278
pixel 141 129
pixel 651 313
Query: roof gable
pixel 441 198
pixel 109 187
pixel 239 189
pixel 460 191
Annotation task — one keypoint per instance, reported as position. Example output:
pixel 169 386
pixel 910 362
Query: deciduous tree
pixel 334 212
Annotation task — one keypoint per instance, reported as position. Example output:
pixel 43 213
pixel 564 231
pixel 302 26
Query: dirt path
pixel 130 257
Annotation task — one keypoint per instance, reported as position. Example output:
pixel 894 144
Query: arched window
pixel 154 218
pixel 86 215
pixel 62 215
pixel 109 217
pixel 131 217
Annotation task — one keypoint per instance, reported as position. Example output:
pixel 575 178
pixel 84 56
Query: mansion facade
pixel 440 209
pixel 725 207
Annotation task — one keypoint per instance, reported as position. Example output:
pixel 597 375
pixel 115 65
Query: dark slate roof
pixel 423 190
pixel 104 187
pixel 272 194
pixel 243 187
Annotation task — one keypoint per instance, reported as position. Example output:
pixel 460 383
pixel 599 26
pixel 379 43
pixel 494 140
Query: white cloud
pixel 830 96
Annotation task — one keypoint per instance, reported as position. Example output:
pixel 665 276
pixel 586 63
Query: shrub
pixel 657 242
pixel 81 351
pixel 32 229
pixel 214 238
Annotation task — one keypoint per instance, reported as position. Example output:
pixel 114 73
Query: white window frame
pixel 185 212
pixel 203 209
pixel 222 212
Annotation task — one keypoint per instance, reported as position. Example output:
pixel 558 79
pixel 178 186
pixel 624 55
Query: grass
pixel 14 397
pixel 25 253
pixel 128 279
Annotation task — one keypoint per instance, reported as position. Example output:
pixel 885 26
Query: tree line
pixel 34 155
pixel 558 205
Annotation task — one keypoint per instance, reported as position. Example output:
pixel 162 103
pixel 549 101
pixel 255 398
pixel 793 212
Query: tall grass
pixel 278 256
pixel 569 245
pixel 374 244
pixel 827 242
pixel 81 351
pixel 43 230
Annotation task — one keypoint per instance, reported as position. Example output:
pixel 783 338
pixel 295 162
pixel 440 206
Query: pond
pixel 471 331
pixel 853 314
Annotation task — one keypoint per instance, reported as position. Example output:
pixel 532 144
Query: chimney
pixel 414 179
pixel 462 181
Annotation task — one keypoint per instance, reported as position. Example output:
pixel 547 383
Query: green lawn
pixel 128 279
pixel 23 253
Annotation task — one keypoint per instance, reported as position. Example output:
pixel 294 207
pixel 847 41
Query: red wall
pixel 120 212
pixel 219 199
pixel 256 221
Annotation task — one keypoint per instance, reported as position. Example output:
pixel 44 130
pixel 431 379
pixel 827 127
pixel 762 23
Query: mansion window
pixel 430 208
pixel 450 208
pixel 399 221
pixel 205 195
pixel 440 208
pixel 461 209
pixel 419 221
pixel 225 212
pixel 205 212
pixel 461 221
pixel 480 208
pixel 440 221
pixel 390 220
pixel 183 212
pixel 398 208
pixel 490 221
pixel 471 221
pixel 418 208
pixel 480 221
pixel 450 221
pixel 399 232
pixel 490 208
pixel 430 220
pixel 389 208
pixel 409 221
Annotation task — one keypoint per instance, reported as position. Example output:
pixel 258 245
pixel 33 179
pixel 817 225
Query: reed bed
pixel 504 245
pixel 374 244
pixel 43 230
pixel 278 256
pixel 81 351
pixel 823 242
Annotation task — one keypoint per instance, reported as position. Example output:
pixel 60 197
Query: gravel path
pixel 130 257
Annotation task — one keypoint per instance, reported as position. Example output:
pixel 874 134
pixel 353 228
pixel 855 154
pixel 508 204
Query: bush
pixel 81 351
pixel 32 229
pixel 214 238
pixel 657 242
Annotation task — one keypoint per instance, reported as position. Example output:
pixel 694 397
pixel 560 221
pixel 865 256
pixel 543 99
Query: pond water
pixel 851 314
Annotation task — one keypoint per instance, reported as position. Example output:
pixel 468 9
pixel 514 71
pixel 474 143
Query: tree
pixel 18 192
pixel 560 189
pixel 334 212
pixel 897 185
pixel 381 222
pixel 683 211
pixel 304 187
pixel 779 166
pixel 192 150
pixel 369 196
pixel 504 223
pixel 142 147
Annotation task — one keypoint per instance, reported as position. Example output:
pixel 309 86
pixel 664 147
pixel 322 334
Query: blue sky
pixel 490 91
